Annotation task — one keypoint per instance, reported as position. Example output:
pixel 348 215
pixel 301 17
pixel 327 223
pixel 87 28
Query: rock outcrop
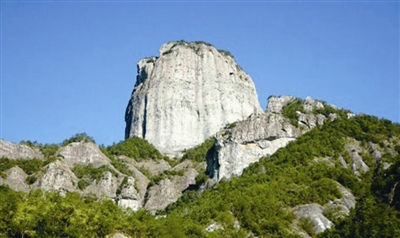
pixel 129 196
pixel 16 179
pixel 168 190
pixel 18 151
pixel 316 213
pixel 357 164
pixel 57 177
pixel 261 134
pixel 187 95
pixel 83 153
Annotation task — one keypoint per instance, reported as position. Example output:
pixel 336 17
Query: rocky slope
pixel 154 183
pixel 186 95
pixel 83 168
pixel 261 134
pixel 18 151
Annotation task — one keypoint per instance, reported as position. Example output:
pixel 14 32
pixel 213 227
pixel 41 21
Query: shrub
pixel 82 171
pixel 79 137
pixel 135 148
pixel 290 111
pixel 199 152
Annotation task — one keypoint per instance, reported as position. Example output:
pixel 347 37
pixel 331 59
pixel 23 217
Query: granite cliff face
pixel 187 95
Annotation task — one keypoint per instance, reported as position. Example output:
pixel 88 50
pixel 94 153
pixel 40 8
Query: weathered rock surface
pixel 18 151
pixel 342 205
pixel 153 166
pixel 187 95
pixel 16 179
pixel 261 134
pixel 314 212
pixel 357 163
pixel 106 187
pixel 141 181
pixel 57 177
pixel 84 153
pixel 119 235
pixel 129 196
pixel 168 190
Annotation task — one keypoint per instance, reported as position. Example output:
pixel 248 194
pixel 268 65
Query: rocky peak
pixel 276 104
pixel 186 95
pixel 18 151
pixel 83 153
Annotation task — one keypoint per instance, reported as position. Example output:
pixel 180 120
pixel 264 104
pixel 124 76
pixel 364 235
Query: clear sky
pixel 70 66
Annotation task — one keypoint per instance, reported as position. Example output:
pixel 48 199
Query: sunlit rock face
pixel 18 151
pixel 261 134
pixel 187 95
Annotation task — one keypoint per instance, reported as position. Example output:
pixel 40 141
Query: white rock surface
pixel 357 162
pixel 261 134
pixel 343 204
pixel 186 95
pixel 84 153
pixel 314 212
pixel 106 187
pixel 16 179
pixel 18 151
pixel 276 104
pixel 57 177
pixel 153 166
pixel 169 190
pixel 129 197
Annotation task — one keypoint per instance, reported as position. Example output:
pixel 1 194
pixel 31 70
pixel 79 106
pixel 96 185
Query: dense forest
pixel 259 203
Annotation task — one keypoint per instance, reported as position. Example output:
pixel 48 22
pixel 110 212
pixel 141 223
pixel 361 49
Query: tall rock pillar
pixel 187 95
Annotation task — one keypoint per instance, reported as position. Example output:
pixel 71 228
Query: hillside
pixel 265 201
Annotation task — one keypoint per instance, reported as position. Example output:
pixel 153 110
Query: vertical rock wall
pixel 187 95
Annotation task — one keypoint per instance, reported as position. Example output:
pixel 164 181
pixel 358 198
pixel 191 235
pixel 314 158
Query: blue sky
pixel 70 66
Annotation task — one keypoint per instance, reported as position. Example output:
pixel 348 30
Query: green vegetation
pixel 52 215
pixel 199 153
pixel 166 174
pixel 328 109
pixel 28 166
pixel 121 166
pixel 167 52
pixel 88 173
pixel 260 197
pixel 48 150
pixel 259 200
pixel 195 45
pixel 291 109
pixel 377 213
pixel 136 148
pixel 226 53
pixel 307 225
pixel 79 137
pixel 122 185
pixel 93 173
pixel 151 59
